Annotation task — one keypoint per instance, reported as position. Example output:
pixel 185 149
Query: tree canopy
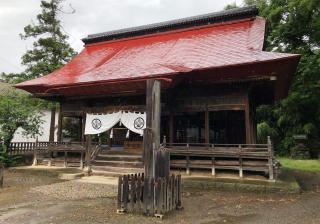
pixel 51 50
pixel 293 26
pixel 18 110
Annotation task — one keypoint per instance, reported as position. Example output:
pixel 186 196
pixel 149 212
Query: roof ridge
pixel 176 22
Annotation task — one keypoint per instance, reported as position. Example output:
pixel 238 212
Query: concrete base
pixel 70 176
pixel 87 171
pixel 285 183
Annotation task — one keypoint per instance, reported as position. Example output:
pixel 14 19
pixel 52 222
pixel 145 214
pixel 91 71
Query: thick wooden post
pixel 119 193
pixel 207 140
pixel 52 124
pixel 50 159
pixel 251 127
pixel 87 169
pixel 35 159
pixel 109 141
pixel 80 130
pixel 81 161
pixel 83 126
pixel 153 117
pixel 65 159
pixel 60 125
pixel 187 165
pixel 247 119
pixel 254 130
pixel 213 168
pixel 270 160
pixel 171 134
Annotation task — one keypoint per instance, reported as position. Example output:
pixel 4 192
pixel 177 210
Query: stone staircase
pixel 118 162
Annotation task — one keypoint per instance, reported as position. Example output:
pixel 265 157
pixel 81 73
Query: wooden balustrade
pixel 20 148
pixel 250 157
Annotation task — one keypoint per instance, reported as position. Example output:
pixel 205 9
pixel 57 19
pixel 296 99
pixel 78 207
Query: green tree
pixel 18 110
pixel 293 26
pixel 71 125
pixel 51 50
pixel 231 6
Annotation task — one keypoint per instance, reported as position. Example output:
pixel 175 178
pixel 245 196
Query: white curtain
pixel 96 124
pixel 135 122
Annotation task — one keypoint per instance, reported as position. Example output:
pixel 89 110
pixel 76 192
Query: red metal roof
pixel 199 52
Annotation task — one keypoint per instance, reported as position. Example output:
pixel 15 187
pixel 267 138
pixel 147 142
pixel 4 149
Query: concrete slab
pixel 285 183
pixel 285 180
pixel 70 176
pixel 44 168
pixel 99 180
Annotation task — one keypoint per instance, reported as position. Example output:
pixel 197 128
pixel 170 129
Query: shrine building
pixel 214 73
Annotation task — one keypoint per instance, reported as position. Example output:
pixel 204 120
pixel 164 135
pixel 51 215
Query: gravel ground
pixel 76 190
pixel 201 206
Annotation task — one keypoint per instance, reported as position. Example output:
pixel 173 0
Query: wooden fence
pixel 150 196
pixel 20 148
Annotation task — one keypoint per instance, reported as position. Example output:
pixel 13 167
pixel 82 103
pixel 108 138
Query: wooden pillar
pixel 60 125
pixel 50 159
pixel 109 140
pixel 226 126
pixel 153 117
pixel 52 124
pixel 240 167
pixel 213 168
pixel 87 169
pixel 254 139
pixel 251 127
pixel 80 130
pixel 65 159
pixel 247 119
pixel 207 122
pixel 81 161
pixel 83 126
pixel 171 134
pixel 35 159
pixel 187 165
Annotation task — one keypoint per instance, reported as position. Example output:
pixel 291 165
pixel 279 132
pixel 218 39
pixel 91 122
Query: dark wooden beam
pixel 171 126
pixel 52 124
pixel 80 130
pixel 83 126
pixel 87 169
pixel 251 127
pixel 207 140
pixel 254 140
pixel 60 124
pixel 247 119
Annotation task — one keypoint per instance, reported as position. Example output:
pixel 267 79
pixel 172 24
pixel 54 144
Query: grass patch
pixel 307 165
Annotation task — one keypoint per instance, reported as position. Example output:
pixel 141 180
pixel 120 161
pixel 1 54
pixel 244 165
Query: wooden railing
pixel 20 148
pixel 251 157
pixel 150 196
pixel 74 147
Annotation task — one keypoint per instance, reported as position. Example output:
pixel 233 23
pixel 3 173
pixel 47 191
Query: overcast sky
pixel 91 17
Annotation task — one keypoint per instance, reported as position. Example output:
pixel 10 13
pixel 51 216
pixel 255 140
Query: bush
pixel 9 160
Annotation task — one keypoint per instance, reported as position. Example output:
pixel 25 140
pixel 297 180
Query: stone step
pixel 110 152
pixel 125 158
pixel 114 171
pixel 104 163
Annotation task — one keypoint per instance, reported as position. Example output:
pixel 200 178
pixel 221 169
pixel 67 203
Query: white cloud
pixel 91 17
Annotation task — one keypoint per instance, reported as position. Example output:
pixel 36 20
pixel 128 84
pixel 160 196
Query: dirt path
pixel 18 205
